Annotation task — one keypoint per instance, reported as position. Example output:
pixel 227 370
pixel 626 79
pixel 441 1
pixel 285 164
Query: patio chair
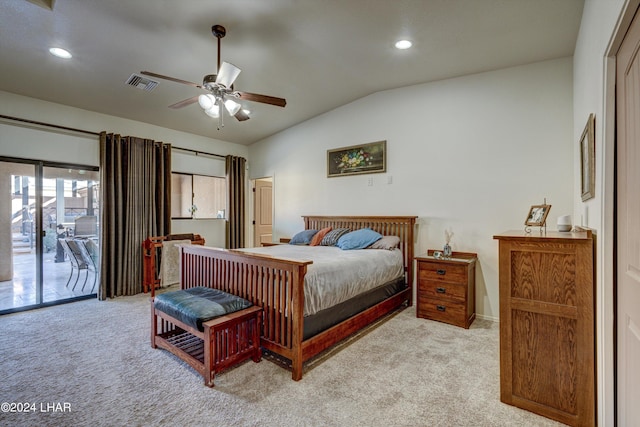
pixel 89 252
pixel 79 259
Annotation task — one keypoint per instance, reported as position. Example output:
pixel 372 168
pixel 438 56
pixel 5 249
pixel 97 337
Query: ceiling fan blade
pixel 185 102
pixel 265 99
pixel 173 79
pixel 242 116
pixel 227 74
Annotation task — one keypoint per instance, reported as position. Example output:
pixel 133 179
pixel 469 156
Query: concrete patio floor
pixel 21 291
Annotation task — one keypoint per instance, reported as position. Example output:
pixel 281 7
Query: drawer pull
pixel 441 290
pixel 441 272
pixel 441 307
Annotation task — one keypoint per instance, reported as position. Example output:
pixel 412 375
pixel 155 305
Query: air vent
pixel 140 82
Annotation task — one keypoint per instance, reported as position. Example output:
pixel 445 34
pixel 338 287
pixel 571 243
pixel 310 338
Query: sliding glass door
pixel 48 233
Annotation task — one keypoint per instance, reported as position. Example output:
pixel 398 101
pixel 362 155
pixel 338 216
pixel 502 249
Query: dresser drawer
pixel 443 290
pixel 442 272
pixel 443 311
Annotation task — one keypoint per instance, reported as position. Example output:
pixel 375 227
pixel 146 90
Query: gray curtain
pixel 235 171
pixel 135 194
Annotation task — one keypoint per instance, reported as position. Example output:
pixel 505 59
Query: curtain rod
pixel 33 122
pixel 196 152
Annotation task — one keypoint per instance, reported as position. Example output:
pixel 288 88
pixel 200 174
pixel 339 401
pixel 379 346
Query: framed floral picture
pixel 357 159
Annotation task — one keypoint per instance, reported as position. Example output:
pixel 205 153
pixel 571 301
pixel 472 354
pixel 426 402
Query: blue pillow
pixel 358 239
pixel 303 238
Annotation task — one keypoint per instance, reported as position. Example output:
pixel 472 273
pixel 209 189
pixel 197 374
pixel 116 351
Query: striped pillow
pixel 331 238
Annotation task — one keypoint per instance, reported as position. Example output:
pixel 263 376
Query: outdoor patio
pixel 21 291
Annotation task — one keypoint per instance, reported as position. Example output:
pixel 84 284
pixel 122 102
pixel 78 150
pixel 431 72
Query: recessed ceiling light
pixel 403 44
pixel 60 53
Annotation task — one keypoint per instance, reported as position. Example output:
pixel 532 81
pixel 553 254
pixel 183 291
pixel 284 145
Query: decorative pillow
pixel 331 238
pixel 387 242
pixel 358 239
pixel 303 238
pixel 317 239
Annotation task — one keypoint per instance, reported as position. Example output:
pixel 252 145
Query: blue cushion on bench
pixel 194 306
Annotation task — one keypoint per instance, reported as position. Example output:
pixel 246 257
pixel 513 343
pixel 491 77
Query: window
pixel 198 196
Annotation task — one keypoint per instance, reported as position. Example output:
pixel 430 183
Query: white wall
pixel 594 92
pixel 213 231
pixel 23 141
pixel 469 154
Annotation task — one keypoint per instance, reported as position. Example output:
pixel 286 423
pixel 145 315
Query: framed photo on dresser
pixel 537 215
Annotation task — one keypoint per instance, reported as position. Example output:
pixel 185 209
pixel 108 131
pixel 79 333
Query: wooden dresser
pixel 447 288
pixel 547 329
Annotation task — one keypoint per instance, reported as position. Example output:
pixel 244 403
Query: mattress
pixel 337 275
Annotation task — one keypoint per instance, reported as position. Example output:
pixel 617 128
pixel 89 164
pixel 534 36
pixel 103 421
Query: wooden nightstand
pixel 283 241
pixel 447 288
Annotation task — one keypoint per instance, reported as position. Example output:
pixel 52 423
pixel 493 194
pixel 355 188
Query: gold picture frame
pixel 537 216
pixel 357 159
pixel 587 160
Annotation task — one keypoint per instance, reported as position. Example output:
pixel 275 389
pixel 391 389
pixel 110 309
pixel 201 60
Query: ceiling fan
pixel 220 89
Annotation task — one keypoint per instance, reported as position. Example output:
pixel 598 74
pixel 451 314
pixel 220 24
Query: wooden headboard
pixel 401 226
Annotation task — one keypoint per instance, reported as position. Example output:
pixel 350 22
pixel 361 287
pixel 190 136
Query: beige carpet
pixel 96 358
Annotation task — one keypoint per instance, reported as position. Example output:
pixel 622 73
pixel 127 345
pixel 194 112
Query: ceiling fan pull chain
pixel 220 114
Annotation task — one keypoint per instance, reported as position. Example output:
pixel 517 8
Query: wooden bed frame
pixel 277 285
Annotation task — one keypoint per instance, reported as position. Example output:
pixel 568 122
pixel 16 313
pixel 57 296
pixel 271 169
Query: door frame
pixel 606 314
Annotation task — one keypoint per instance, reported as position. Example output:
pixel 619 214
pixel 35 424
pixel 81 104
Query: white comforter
pixel 337 275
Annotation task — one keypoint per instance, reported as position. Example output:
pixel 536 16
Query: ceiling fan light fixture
pixel 206 101
pixel 232 106
pixel 227 74
pixel 213 112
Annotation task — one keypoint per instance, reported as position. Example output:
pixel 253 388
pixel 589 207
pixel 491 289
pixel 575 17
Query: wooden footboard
pixel 277 285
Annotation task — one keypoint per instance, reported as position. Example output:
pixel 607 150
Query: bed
pixel 277 284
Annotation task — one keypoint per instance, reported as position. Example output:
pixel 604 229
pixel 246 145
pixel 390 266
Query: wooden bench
pixel 182 323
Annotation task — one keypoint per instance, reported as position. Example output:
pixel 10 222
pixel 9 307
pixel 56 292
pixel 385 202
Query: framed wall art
pixel 587 160
pixel 357 159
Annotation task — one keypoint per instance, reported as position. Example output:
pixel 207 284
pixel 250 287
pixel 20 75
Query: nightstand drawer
pixel 443 290
pixel 442 272
pixel 448 312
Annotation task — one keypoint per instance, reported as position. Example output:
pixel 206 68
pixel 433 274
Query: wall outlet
pixel 389 179
pixel 370 182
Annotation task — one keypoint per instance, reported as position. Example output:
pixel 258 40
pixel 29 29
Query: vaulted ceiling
pixel 318 55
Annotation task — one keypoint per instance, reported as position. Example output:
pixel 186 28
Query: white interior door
pixel 628 223
pixel 263 214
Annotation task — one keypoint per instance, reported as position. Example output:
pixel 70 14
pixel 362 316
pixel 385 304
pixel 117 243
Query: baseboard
pixel 491 318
